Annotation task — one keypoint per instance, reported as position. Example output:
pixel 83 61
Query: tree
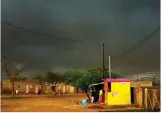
pixel 13 72
pixel 98 72
pixel 79 80
pixel 72 78
pixel 40 79
pixel 154 83
pixel 113 75
pixel 54 79
pixel 23 77
pixel 83 80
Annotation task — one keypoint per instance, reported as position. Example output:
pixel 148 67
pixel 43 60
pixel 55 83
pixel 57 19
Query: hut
pixel 117 91
pixel 123 91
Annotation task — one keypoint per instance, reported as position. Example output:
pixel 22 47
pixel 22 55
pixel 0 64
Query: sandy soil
pixel 50 103
pixel 45 103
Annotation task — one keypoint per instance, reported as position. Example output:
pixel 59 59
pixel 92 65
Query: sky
pixel 119 24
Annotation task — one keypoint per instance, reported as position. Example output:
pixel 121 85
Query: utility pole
pixel 103 59
pixel 109 58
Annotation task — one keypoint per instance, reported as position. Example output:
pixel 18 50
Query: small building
pixel 114 87
pixel 31 87
pixel 117 91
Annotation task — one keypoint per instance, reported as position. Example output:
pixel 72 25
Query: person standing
pixel 95 95
pixel 101 96
pixel 39 90
pixel 27 89
pixel 92 94
pixel 36 89
pixel 17 92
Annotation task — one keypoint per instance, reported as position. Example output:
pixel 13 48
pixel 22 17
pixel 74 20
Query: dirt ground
pixel 50 103
pixel 45 103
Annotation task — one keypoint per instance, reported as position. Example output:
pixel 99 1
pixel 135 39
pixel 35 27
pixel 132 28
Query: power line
pixel 145 39
pixel 37 32
pixel 71 40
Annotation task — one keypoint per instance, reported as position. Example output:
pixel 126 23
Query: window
pixel 109 87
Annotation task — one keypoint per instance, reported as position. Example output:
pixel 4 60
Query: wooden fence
pixel 152 98
pixel 147 97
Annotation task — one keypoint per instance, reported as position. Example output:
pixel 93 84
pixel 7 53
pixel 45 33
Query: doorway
pixel 132 95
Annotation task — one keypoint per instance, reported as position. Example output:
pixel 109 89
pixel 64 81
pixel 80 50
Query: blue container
pixel 84 103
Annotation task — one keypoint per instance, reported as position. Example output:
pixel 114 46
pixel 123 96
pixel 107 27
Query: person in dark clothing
pixel 103 99
pixel 103 91
pixel 95 95
pixel 39 92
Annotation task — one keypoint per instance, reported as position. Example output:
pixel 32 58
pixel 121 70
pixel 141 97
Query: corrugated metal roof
pixel 96 84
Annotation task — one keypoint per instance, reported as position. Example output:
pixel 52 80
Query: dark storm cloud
pixel 118 23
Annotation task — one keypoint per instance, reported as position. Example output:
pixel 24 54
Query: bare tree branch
pixel 12 73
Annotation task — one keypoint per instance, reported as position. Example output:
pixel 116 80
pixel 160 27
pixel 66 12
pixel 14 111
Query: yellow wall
pixel 123 96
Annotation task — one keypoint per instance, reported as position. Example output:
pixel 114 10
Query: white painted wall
pixel 27 88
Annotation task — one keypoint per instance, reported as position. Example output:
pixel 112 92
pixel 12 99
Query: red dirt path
pixel 50 103
pixel 45 103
